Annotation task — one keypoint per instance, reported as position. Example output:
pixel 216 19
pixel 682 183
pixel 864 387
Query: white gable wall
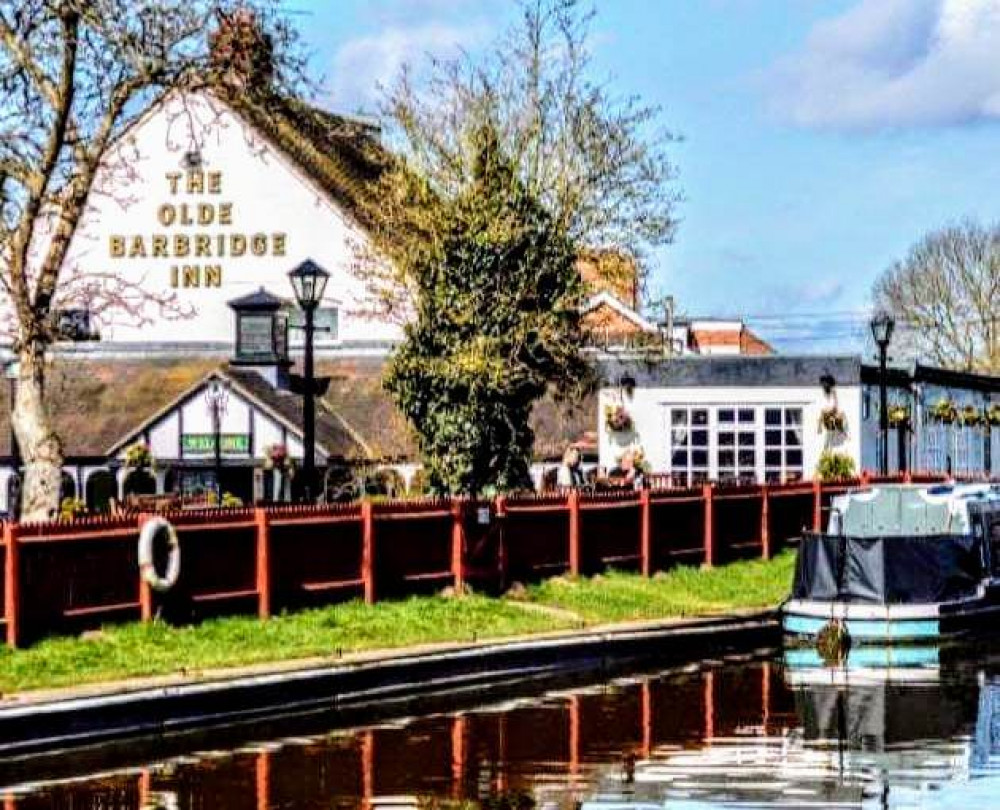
pixel 258 194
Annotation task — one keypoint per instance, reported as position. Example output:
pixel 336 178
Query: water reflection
pixel 890 729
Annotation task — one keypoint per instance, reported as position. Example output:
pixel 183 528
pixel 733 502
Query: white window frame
pixel 760 470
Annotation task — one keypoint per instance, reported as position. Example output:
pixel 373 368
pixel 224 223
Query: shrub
pixel 834 466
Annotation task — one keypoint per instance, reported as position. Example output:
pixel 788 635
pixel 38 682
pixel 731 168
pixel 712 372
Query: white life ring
pixel 147 569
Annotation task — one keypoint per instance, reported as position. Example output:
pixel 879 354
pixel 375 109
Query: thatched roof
pixel 97 403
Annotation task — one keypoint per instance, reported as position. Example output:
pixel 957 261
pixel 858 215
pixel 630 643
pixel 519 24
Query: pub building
pixel 236 431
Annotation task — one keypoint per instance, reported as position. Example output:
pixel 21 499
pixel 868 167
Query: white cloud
pixel 364 63
pixel 894 63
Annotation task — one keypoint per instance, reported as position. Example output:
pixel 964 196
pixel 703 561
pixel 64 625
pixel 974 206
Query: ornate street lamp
pixel 309 282
pixel 882 326
pixel 217 400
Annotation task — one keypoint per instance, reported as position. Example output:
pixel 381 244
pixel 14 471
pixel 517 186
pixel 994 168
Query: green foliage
pixel 498 300
pixel 834 466
pixel 71 508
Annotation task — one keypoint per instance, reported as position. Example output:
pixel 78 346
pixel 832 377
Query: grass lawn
pixel 136 650
pixel 615 596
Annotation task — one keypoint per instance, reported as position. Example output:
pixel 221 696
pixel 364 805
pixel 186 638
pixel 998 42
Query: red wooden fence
pixel 62 577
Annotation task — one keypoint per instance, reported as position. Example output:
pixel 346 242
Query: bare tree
pixel 74 74
pixel 946 297
pixel 597 162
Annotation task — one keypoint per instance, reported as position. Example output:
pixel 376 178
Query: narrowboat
pixel 899 563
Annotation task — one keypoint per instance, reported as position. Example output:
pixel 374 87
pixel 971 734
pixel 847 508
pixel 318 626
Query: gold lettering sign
pixel 183 220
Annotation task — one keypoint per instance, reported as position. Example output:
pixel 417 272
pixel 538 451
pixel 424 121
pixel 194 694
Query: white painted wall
pixel 268 195
pixel 649 408
pixel 164 437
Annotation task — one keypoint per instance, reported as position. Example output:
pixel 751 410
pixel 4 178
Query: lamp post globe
pixel 882 326
pixel 309 283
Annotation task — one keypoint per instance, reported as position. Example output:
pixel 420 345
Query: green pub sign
pixel 205 443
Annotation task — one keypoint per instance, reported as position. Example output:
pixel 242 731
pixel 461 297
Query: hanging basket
pixel 971 416
pixel 944 412
pixel 899 416
pixel 275 457
pixel 617 419
pixel 139 457
pixel 993 416
pixel 833 420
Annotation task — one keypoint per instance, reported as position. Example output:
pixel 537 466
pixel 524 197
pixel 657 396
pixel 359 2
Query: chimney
pixel 241 53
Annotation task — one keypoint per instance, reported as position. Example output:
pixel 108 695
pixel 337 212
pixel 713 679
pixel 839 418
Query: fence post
pixel 145 591
pixel 458 544
pixel 574 532
pixel 263 528
pixel 12 583
pixel 368 550
pixel 502 540
pixel 765 523
pixel 817 505
pixel 708 493
pixel 646 529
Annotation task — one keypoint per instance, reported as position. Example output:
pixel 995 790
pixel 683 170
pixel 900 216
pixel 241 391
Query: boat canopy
pixel 907 510
pixel 901 544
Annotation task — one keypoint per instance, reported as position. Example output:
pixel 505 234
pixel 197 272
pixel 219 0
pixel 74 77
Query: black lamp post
pixel 882 325
pixel 309 282
pixel 216 397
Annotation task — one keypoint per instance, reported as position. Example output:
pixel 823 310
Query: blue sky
pixel 821 139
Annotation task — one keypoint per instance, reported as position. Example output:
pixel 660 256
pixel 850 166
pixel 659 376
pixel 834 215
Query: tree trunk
pixel 41 449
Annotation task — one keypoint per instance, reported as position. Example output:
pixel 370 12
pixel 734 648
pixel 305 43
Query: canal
pixel 912 728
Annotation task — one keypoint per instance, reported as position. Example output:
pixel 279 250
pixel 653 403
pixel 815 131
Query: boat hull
pixel 890 624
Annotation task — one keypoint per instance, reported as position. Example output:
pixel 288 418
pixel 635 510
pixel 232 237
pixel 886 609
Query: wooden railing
pixel 66 576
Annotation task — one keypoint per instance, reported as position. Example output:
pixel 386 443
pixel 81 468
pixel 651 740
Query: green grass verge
pixel 616 596
pixel 138 650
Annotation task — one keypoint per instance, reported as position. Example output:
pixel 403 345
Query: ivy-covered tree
pixel 497 321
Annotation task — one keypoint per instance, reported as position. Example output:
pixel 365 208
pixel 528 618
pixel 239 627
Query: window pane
pixel 747 415
pixel 748 439
pixel 699 417
pixel 772 458
pixel 327 321
pixel 793 437
pixel 726 415
pixel 699 438
pixel 699 478
pixel 679 436
pixel 727 458
pixel 747 458
pixel 793 416
pixel 793 458
pixel 678 417
pixel 727 439
pixel 772 416
pixel 679 458
pixel 772 438
pixel 772 477
pixel 699 458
